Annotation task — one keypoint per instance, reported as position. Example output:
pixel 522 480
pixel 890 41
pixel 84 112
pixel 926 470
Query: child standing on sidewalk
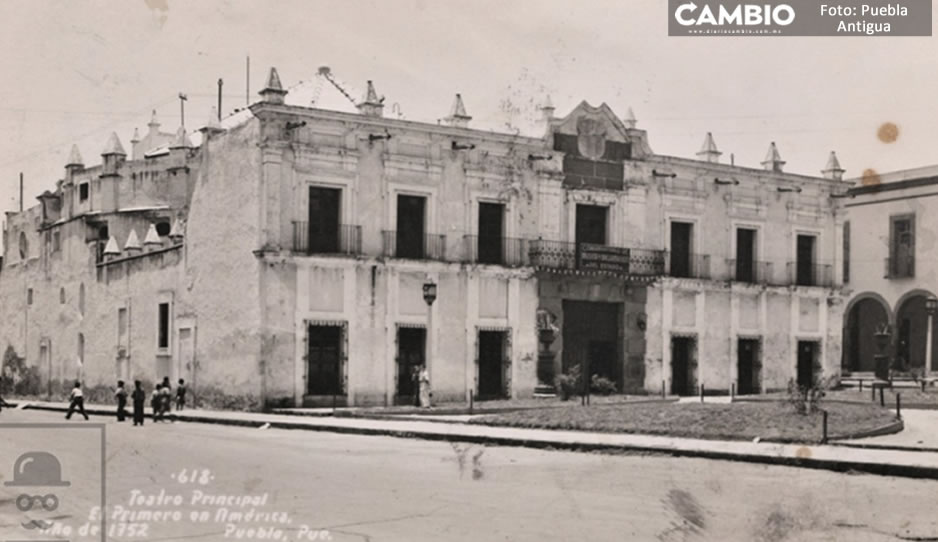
pixel 181 395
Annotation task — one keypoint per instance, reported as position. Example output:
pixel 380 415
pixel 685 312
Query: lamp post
pixel 882 337
pixel 429 295
pixel 931 307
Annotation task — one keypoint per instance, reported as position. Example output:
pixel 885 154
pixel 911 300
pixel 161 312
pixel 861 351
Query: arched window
pixel 81 350
pixel 61 296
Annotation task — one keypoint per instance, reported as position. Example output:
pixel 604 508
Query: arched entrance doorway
pixel 863 319
pixel 912 333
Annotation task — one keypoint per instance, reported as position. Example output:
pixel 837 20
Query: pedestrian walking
pixel 181 395
pixel 156 403
pixel 121 395
pixel 77 401
pixel 139 398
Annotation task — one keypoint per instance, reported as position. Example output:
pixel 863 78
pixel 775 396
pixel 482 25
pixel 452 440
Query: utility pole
pixel 247 82
pixel 21 191
pixel 220 83
pixel 182 109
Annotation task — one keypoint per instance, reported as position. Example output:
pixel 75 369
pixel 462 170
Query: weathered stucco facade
pixel 294 244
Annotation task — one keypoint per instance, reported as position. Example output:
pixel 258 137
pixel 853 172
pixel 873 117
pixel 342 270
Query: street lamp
pixel 931 307
pixel 429 295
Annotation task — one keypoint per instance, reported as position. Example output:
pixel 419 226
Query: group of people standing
pixel 160 400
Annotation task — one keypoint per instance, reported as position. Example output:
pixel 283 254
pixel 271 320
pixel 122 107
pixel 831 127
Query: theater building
pixel 279 257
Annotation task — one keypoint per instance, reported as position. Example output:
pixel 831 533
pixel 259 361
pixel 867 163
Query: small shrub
pixel 569 384
pixel 807 399
pixel 601 385
pixel 19 378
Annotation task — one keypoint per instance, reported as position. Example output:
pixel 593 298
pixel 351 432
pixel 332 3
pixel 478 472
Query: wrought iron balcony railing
pixel 750 271
pixel 685 265
pixel 494 250
pixel 563 255
pixel 902 267
pixel 810 274
pixel 340 239
pixel 414 246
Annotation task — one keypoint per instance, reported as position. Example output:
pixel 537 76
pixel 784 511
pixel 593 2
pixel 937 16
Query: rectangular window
pixel 56 241
pixel 163 326
pixel 29 296
pixel 902 247
pixel 323 213
pixel 491 222
pixel 122 327
pixel 805 268
pixel 846 252
pixel 745 255
pixel 591 224
pixel 682 236
pixel 411 214
pixel 83 192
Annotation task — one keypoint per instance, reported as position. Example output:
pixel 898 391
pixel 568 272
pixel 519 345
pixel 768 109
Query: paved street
pixel 382 488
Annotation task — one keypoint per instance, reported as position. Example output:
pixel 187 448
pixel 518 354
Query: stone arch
pixel 864 314
pixel 911 331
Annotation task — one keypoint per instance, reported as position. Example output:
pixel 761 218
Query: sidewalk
pixel 920 434
pixel 891 462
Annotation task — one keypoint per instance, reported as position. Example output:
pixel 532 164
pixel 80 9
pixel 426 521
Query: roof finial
pixel 833 170
pixel 113 146
pixel 111 248
pixel 547 108
pixel 152 240
pixel 371 105
pixel 773 160
pixel 708 151
pixel 74 158
pixel 458 116
pixel 273 93
pixel 629 119
pixel 133 244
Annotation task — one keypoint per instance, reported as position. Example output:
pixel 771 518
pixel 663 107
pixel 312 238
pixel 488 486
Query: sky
pixel 73 71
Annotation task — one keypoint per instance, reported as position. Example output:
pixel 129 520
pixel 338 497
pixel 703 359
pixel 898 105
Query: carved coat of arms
pixel 591 138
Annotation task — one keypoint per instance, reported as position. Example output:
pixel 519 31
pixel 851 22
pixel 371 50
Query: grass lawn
pixel 773 421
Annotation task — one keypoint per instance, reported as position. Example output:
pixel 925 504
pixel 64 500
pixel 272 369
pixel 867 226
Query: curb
pixel 883 469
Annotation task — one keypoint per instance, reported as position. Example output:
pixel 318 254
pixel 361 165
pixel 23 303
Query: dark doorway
pixel 748 366
pixel 912 334
pixel 745 255
pixel 681 247
pixel 591 338
pixel 323 361
pixel 807 361
pixel 683 366
pixel 491 221
pixel 864 319
pixel 492 365
pixel 323 234
pixel 410 357
pixel 805 261
pixel 591 224
pixel 410 226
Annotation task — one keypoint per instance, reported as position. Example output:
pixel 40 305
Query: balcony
pixel 345 239
pixel 750 271
pixel 902 267
pixel 506 251
pixel 414 246
pixel 588 257
pixel 810 274
pixel 691 266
